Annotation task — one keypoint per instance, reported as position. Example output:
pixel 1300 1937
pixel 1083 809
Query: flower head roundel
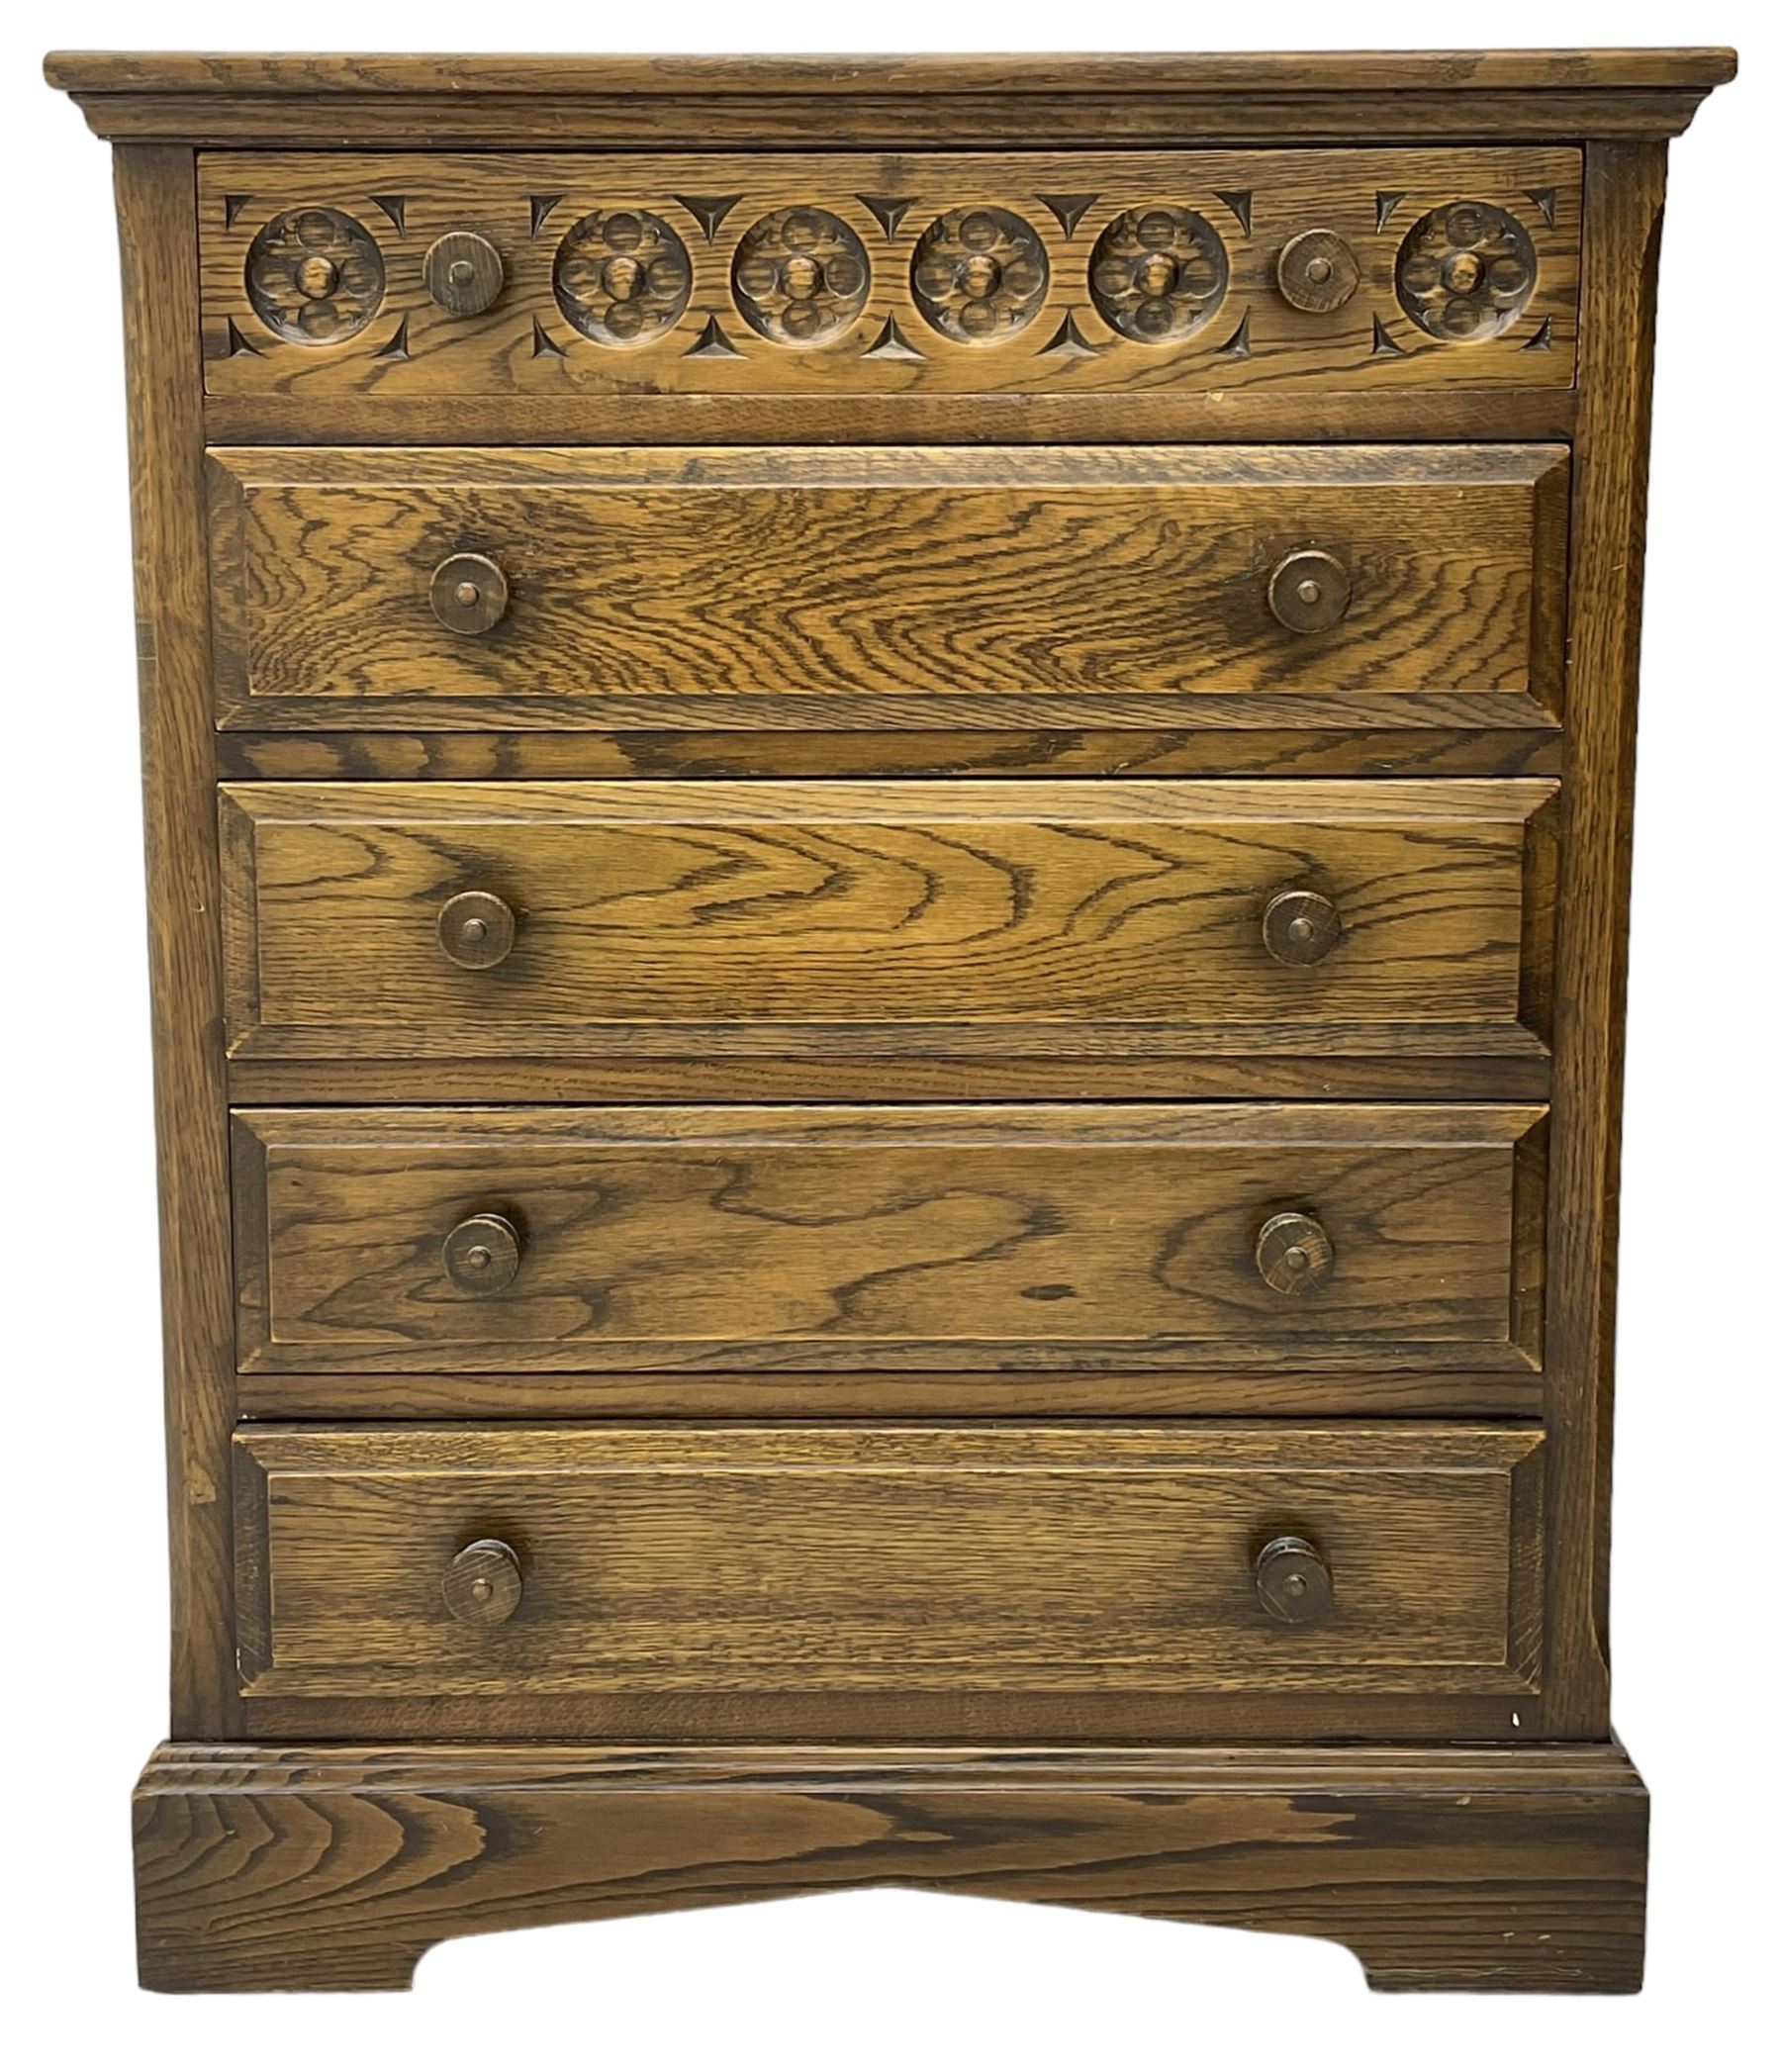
pixel 315 276
pixel 1158 274
pixel 979 274
pixel 622 276
pixel 1466 271
pixel 801 276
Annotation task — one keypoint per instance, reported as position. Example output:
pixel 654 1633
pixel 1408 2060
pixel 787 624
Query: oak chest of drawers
pixel 887 819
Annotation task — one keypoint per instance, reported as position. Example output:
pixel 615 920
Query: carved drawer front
pixel 397 274
pixel 902 587
pixel 457 1562
pixel 944 917
pixel 567 1238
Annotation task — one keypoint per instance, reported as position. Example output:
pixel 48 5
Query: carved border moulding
pixel 979 275
pixel 1158 274
pixel 801 276
pixel 622 276
pixel 315 276
pixel 1465 272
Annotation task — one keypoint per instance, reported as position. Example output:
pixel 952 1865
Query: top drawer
pixel 401 274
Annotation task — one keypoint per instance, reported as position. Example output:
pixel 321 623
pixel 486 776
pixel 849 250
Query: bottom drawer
pixel 441 1562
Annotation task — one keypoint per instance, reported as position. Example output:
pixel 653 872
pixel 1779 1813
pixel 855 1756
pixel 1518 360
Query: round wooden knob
pixel 482 1255
pixel 1317 271
pixel 1300 927
pixel 477 931
pixel 1309 592
pixel 1293 1581
pixel 1293 1254
pixel 483 1584
pixel 463 273
pixel 468 594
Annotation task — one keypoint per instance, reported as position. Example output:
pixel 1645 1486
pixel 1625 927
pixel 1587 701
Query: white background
pixel 888 1979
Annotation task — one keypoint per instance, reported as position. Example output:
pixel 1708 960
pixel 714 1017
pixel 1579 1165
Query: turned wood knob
pixel 1309 592
pixel 1293 1254
pixel 1317 271
pixel 483 1584
pixel 482 1255
pixel 468 594
pixel 1300 927
pixel 463 273
pixel 1293 1581
pixel 477 929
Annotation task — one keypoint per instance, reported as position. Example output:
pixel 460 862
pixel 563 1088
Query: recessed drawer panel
pixel 394 274
pixel 946 918
pixel 470 1561
pixel 906 587
pixel 571 1239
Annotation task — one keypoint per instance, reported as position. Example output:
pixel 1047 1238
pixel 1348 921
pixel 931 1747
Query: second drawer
pixel 576 1239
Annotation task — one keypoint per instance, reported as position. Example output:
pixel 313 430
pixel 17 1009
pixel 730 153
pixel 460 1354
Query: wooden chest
pixel 887 809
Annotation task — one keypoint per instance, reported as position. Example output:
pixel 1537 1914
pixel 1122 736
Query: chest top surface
pixel 708 102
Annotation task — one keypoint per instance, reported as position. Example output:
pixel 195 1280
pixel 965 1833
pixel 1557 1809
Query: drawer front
pixel 573 1239
pixel 396 274
pixel 1116 919
pixel 631 1560
pixel 858 588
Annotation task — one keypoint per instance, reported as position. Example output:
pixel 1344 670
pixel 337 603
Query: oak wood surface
pixel 1016 1718
pixel 886 1237
pixel 858 575
pixel 1626 186
pixel 707 752
pixel 1149 416
pixel 156 238
pixel 886 1558
pixel 1409 1393
pixel 1442 1869
pixel 713 919
pixel 1096 75
pixel 900 588
pixel 547 218
pixel 1416 1068
pixel 897 104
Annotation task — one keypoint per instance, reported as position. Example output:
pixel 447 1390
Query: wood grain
pixel 400 342
pixel 897 104
pixel 893 719
pixel 336 1869
pixel 1493 1068
pixel 1100 77
pixel 246 756
pixel 737 1559
pixel 1408 1392
pixel 157 242
pixel 1626 185
pixel 966 1237
pixel 1453 413
pixel 711 919
pixel 890 588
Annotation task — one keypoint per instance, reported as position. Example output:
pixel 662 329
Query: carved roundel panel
pixel 1466 271
pixel 622 276
pixel 979 274
pixel 800 277
pixel 1158 274
pixel 315 276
